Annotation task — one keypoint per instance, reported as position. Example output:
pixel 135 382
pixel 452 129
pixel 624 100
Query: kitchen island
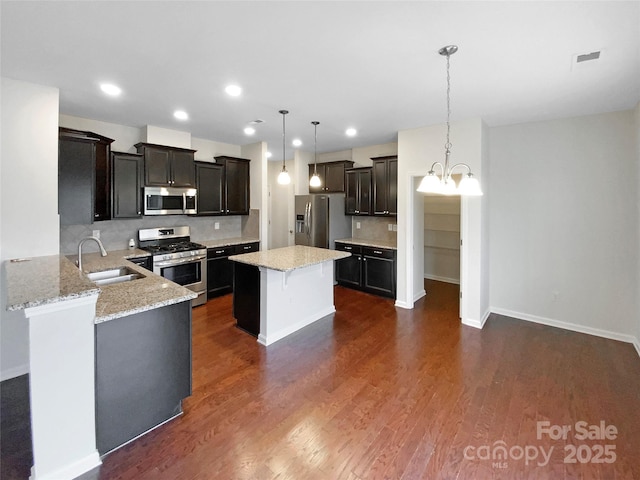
pixel 66 312
pixel 278 292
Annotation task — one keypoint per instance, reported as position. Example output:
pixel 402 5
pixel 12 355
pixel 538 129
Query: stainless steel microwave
pixel 170 201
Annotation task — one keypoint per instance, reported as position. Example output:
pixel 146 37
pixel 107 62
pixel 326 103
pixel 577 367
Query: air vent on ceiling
pixel 585 57
pixel 256 122
pixel 586 61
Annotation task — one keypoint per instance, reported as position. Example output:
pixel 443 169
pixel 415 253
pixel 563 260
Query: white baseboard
pixel 14 372
pixel 409 306
pixel 471 322
pixel 598 332
pixel 71 471
pixel 280 334
pixel 442 279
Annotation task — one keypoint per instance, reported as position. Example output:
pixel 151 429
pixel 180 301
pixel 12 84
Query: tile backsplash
pixel 374 228
pixel 115 234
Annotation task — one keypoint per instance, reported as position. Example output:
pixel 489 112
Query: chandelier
pixel 444 184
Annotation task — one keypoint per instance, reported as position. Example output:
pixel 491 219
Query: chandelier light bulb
pixel 444 184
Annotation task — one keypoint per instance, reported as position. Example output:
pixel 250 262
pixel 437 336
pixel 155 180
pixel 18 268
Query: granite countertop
pixel 289 258
pixel 225 242
pixel 370 243
pixel 52 279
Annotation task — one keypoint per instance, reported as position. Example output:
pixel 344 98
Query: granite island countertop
pixel 289 258
pixel 369 243
pixel 44 280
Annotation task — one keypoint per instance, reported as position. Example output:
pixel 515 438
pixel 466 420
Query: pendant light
pixel 315 181
pixel 283 177
pixel 444 184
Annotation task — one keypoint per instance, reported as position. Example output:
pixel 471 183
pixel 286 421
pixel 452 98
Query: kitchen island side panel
pixel 292 300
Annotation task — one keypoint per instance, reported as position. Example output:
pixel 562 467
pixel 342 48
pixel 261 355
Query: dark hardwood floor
pixel 379 392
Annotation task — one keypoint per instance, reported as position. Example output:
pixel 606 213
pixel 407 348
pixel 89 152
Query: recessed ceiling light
pixel 351 132
pixel 296 142
pixel 110 89
pixel 233 90
pixel 249 131
pixel 181 115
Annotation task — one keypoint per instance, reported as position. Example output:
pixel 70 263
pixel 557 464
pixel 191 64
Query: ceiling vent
pixel 586 60
pixel 256 122
pixel 585 57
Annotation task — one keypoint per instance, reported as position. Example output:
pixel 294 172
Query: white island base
pixel 291 286
pixel 292 300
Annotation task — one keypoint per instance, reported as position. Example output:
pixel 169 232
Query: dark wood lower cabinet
pixel 246 297
pixel 369 269
pixel 220 268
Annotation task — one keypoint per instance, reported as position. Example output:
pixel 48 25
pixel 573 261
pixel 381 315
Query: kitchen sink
pixel 114 275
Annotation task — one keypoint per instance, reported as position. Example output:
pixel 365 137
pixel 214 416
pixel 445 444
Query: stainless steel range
pixel 177 258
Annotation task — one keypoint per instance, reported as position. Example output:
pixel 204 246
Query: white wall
pixel 417 150
pixel 564 222
pixel 259 196
pixel 362 155
pixel 278 208
pixel 28 171
pixel 126 137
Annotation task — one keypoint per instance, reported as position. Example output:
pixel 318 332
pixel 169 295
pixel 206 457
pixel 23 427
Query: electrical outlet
pixel 216 226
pixel 357 225
pixel 395 227
pixel 96 233
pixel 390 227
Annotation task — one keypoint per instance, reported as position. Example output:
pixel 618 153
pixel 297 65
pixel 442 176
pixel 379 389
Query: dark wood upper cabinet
pixel 358 191
pixel 84 177
pixel 235 185
pixel 127 177
pixel 167 166
pixel 385 185
pixel 332 176
pixel 210 186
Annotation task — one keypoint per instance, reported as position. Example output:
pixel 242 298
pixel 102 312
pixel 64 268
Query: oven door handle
pixel 171 263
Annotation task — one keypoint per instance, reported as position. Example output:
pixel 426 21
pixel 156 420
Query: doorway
pixel 442 239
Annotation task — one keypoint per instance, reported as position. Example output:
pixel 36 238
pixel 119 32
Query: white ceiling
pixel 370 65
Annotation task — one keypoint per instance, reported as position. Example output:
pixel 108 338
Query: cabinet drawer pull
pixel 348 248
pixel 219 251
pixel 378 252
pixel 247 248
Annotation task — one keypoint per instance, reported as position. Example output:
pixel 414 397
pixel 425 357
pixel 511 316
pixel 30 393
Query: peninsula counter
pixel 278 292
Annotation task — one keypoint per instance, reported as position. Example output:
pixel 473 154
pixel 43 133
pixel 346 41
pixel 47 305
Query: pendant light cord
pixel 315 148
pixel 448 144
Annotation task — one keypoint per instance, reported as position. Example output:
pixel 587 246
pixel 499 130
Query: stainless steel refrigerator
pixel 320 220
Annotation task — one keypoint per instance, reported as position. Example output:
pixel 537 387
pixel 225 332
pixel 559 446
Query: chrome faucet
pixel 103 252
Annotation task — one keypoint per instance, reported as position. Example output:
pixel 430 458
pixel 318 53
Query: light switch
pixel 357 225
pixel 216 226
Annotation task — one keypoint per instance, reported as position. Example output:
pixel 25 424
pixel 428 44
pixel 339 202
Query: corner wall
pixel 637 139
pixel 564 223
pixel 417 150
pixel 28 171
